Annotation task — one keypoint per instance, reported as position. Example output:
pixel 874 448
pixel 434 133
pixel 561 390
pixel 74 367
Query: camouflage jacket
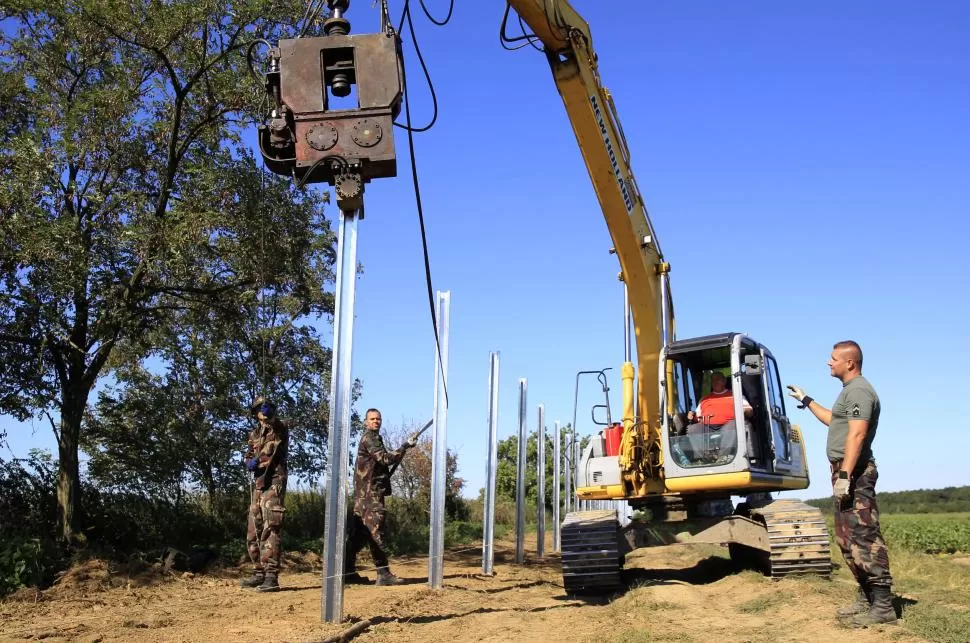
pixel 268 443
pixel 372 469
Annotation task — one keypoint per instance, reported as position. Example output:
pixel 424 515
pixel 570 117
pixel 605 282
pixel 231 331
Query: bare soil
pixel 676 593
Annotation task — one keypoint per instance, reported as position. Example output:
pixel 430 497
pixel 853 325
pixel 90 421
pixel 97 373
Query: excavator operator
pixel 715 412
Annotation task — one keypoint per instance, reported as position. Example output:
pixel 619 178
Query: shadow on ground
pixel 705 571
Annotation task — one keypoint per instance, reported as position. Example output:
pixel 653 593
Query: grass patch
pixel 933 578
pixel 638 600
pixel 931 593
pixel 938 623
pixel 764 603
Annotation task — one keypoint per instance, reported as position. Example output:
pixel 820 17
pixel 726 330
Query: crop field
pixel 928 533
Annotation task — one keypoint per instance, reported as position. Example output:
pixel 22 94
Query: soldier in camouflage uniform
pixel 266 459
pixel 372 481
pixel 852 423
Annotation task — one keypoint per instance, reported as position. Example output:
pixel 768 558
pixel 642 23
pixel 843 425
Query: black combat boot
pixel 862 603
pixel 385 577
pixel 253 581
pixel 353 578
pixel 271 584
pixel 881 612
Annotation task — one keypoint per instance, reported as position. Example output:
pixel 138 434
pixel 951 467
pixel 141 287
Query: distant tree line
pixel 919 501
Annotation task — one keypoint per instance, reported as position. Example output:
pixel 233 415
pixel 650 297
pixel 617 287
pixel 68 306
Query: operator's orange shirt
pixel 719 406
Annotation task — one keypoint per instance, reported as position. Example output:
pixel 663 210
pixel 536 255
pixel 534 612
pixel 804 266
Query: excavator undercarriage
pixel 777 537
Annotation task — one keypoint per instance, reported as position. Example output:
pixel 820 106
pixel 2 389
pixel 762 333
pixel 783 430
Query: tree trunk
pixel 210 486
pixel 69 476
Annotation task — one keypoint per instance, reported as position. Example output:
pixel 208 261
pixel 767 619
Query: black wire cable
pixel 310 16
pixel 417 187
pixel 505 39
pixel 249 57
pixel 530 37
pixel 440 23
pixel 406 16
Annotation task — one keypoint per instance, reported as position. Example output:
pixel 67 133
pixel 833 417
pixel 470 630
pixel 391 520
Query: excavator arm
pixel 569 49
pixel 309 137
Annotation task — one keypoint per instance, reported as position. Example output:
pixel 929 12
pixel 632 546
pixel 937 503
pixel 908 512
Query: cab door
pixel 780 426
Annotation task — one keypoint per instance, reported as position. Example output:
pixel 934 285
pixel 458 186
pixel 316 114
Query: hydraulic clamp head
pixel 316 131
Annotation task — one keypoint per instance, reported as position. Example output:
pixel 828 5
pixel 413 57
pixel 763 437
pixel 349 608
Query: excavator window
pixel 697 440
pixel 779 422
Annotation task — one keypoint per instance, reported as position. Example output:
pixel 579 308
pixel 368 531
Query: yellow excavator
pixel 704 419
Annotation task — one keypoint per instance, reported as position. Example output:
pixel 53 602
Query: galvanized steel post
pixel 520 476
pixel 541 482
pixel 338 443
pixel 491 462
pixel 567 473
pixel 439 453
pixel 556 481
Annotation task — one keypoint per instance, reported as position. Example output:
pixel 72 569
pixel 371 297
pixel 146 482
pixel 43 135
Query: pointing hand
pixel 799 395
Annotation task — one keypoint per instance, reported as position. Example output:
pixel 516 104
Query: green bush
pixel 462 533
pixel 124 525
pixel 26 562
pixel 504 512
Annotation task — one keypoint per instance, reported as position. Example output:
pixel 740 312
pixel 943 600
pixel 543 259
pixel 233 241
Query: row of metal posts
pixel 337 482
pixel 338 487
pixel 571 472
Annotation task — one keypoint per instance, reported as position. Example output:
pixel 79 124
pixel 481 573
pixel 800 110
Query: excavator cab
pixel 742 444
pixel 747 445
pixel 744 429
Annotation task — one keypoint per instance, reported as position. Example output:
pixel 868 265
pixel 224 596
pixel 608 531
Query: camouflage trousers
pixel 857 530
pixel 264 530
pixel 365 526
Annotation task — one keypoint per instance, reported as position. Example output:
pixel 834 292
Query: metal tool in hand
pixel 413 438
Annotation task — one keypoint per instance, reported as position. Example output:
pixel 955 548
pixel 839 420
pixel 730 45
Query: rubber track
pixel 591 560
pixel 799 538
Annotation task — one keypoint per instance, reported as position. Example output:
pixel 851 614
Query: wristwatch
pixel 843 475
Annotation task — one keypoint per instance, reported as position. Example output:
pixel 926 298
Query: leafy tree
pixel 194 417
pixel 412 479
pixel 917 501
pixel 127 196
pixel 508 454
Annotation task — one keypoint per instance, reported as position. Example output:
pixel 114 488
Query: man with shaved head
pixel 852 423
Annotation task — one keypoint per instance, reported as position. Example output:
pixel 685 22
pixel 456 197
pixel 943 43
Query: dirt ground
pixel 676 593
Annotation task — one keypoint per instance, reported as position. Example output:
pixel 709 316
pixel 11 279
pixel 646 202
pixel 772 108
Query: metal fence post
pixel 556 481
pixel 439 454
pixel 568 472
pixel 520 476
pixel 491 463
pixel 338 442
pixel 541 482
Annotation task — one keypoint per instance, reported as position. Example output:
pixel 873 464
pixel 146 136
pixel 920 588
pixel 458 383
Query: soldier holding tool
pixel 372 482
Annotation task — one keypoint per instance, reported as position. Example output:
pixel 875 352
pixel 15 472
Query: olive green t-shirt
pixel 857 401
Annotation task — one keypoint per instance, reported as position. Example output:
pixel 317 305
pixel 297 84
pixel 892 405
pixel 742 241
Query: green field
pixel 943 533
pixel 928 533
pixel 931 576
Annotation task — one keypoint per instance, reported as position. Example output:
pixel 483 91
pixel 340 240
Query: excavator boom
pixel 569 50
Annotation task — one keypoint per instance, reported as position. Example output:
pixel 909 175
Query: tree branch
pixel 193 133
pixel 97 363
pixel 184 290
pixel 17 339
pixel 160 53
pixel 59 365
pixel 57 433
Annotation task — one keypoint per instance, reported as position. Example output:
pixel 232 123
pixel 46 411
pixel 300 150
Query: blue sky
pixel 807 171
